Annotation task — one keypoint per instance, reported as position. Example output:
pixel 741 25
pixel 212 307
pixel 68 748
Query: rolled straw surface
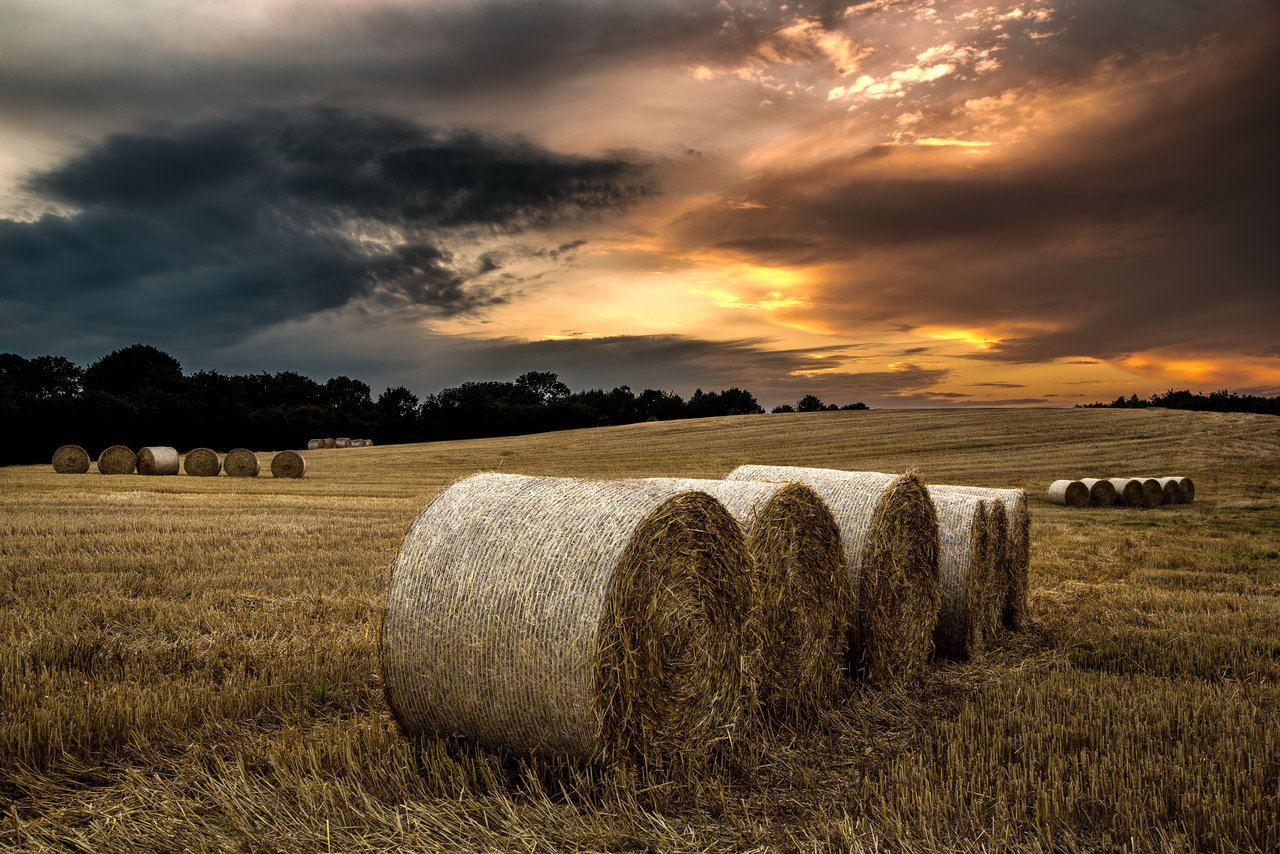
pixel 799 595
pixel 331 443
pixel 241 462
pixel 557 616
pixel 1169 492
pixel 288 464
pixel 71 459
pixel 889 531
pixel 202 462
pixel 118 459
pixel 315 444
pixel 1152 493
pixel 1016 565
pixel 343 442
pixel 158 460
pixel 1128 491
pixel 1101 492
pixel 1186 489
pixel 964 567
pixel 1069 493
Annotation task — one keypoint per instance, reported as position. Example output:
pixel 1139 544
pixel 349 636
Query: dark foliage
pixel 1218 401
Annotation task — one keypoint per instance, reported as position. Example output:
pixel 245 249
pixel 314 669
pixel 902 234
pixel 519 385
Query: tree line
pixel 139 395
pixel 1216 401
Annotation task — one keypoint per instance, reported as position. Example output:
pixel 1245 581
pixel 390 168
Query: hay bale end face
pixel 1014 568
pixel 1128 491
pixel 330 443
pixel 118 459
pixel 1186 489
pixel 889 530
pixel 569 617
pixel 1101 492
pixel 965 575
pixel 800 607
pixel 288 464
pixel 71 459
pixel 202 462
pixel 241 462
pixel 1169 491
pixel 158 460
pixel 1069 493
pixel 1152 493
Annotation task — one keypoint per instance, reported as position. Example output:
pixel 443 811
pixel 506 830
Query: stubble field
pixel 191 663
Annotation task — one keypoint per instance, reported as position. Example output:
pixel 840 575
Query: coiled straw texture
pixel 1102 493
pixel 202 462
pixel 288 464
pixel 118 459
pixel 241 462
pixel 965 575
pixel 889 531
pixel 1010 573
pixel 71 459
pixel 584 618
pixel 800 600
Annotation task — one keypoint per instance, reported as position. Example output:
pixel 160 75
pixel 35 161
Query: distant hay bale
pixel 1015 566
pixel 799 594
pixel 288 464
pixel 315 444
pixel 569 617
pixel 241 462
pixel 964 566
pixel 1069 493
pixel 889 531
pixel 1128 491
pixel 1101 492
pixel 118 459
pixel 1152 492
pixel 354 443
pixel 158 460
pixel 202 462
pixel 1186 489
pixel 1169 491
pixel 342 443
pixel 331 443
pixel 368 443
pixel 71 459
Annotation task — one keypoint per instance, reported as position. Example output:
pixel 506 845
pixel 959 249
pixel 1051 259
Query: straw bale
pixel 241 462
pixel 118 459
pixel 71 459
pixel 1016 563
pixel 288 464
pixel 1186 489
pixel 368 443
pixel 1128 491
pixel 315 444
pixel 342 442
pixel 800 608
pixel 1101 492
pixel 202 462
pixel 355 443
pixel 331 443
pixel 1069 493
pixel 158 460
pixel 964 566
pixel 1169 491
pixel 889 531
pixel 584 618
pixel 1152 492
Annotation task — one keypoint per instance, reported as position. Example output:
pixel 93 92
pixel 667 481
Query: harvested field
pixel 192 663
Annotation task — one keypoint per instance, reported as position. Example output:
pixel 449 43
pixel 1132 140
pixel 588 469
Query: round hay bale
pixel 965 558
pixel 241 462
pixel 799 597
pixel 330 443
pixel 1152 493
pixel 315 444
pixel 71 459
pixel 889 531
pixel 1013 562
pixel 158 460
pixel 1186 489
pixel 288 464
pixel 202 462
pixel 1128 491
pixel 1101 492
pixel 1169 491
pixel 1069 493
pixel 342 443
pixel 368 443
pixel 118 459
pixel 570 617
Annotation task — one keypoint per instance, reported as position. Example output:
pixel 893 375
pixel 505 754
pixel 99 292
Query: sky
pixel 900 202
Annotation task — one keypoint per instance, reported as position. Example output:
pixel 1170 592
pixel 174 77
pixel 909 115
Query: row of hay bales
pixel 164 460
pixel 641 620
pixel 1122 491
pixel 321 444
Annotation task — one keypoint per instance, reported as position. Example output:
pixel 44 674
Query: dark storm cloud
pixel 219 228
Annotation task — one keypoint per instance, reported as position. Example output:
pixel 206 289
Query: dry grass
pixel 71 459
pixel 177 673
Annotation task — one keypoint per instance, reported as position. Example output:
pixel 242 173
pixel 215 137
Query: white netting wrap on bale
pixel 557 616
pixel 1128 491
pixel 315 444
pixel 965 574
pixel 71 459
pixel 1069 493
pixel 158 460
pixel 889 531
pixel 1011 573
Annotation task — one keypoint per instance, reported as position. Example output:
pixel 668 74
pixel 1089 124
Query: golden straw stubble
pixel 241 462
pixel 570 617
pixel 288 464
pixel 202 462
pixel 118 459
pixel 71 459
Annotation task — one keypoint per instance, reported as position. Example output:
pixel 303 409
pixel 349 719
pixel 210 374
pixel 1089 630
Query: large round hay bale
pixel 71 459
pixel 288 464
pixel 965 556
pixel 1069 493
pixel 315 444
pixel 202 462
pixel 1152 492
pixel 583 618
pixel 1169 492
pixel 1015 565
pixel 342 442
pixel 1186 489
pixel 1128 491
pixel 799 596
pixel 330 443
pixel 118 459
pixel 889 531
pixel 241 462
pixel 158 460
pixel 1101 492
pixel 368 443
